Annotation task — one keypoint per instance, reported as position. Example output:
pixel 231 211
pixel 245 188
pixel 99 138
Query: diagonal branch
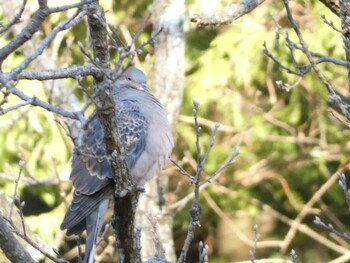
pixel 13 250
pixel 37 102
pixel 333 97
pixel 16 19
pixel 227 15
pixel 33 26
pixel 76 18
pixel 333 5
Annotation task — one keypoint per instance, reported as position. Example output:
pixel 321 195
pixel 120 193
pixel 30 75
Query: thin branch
pixel 141 30
pixel 195 209
pixel 181 169
pixel 62 73
pixel 303 228
pixel 343 186
pixel 37 247
pixel 72 6
pixel 333 97
pixel 276 60
pixel 330 228
pixel 16 199
pixel 330 23
pixel 228 162
pixel 252 252
pixel 301 69
pixel 45 42
pixel 15 107
pixel 37 102
pixel 33 26
pixel 16 19
pixel 211 144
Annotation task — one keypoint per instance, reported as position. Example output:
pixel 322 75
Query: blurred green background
pixel 290 143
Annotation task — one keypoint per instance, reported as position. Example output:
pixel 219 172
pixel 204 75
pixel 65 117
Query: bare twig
pixel 33 26
pixel 331 228
pixel 16 199
pixel 34 101
pixel 252 252
pixel 16 19
pixel 70 22
pixel 181 169
pixel 229 161
pixel 195 210
pixel 37 247
pixel 332 94
pixel 15 107
pixel 301 70
pixel 72 6
pixel 343 186
pixel 330 23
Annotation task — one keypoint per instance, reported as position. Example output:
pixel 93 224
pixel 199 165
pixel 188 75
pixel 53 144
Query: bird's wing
pixel 91 175
pixel 91 169
pixel 133 129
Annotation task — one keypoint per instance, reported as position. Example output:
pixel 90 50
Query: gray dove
pixel 145 135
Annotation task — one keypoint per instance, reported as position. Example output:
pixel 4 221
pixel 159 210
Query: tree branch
pixel 62 73
pixel 333 97
pixel 33 26
pixel 333 5
pixel 15 19
pixel 37 102
pixel 227 15
pixel 13 250
pixel 126 197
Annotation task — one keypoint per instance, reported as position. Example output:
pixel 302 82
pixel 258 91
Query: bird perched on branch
pixel 145 135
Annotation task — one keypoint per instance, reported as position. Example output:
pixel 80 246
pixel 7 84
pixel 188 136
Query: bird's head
pixel 133 78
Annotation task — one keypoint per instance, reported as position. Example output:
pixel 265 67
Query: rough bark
pixel 227 15
pixel 125 196
pixel 13 250
pixel 333 5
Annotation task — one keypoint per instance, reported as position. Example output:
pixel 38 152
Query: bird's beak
pixel 143 87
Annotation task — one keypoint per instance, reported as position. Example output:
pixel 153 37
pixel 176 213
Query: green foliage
pixel 291 145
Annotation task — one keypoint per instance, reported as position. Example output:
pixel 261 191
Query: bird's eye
pixel 128 78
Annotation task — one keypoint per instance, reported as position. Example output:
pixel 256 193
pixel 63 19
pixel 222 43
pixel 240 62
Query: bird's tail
pixel 93 227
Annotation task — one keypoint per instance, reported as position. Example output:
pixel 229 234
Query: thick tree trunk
pixel 169 75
